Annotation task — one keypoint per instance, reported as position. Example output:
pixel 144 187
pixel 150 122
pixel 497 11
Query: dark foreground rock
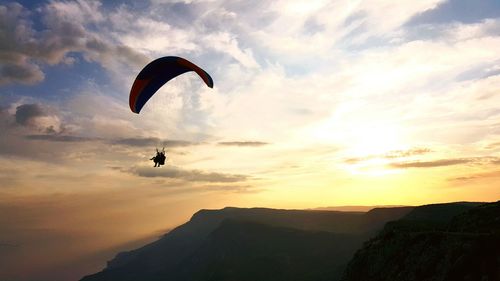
pixel 437 242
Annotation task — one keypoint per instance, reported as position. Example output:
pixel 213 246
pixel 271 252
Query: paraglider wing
pixel 158 72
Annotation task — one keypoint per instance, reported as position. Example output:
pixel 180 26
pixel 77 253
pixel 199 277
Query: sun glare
pixel 371 167
pixel 364 142
pixel 374 138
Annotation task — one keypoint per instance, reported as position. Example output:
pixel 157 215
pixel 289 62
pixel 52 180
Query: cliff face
pixel 231 243
pixel 458 241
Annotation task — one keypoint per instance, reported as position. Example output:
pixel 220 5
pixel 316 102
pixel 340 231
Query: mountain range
pixel 272 244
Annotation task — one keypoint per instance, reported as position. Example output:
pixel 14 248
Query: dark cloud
pixel 23 72
pixel 23 49
pixel 243 143
pixel 15 33
pixel 432 164
pixel 148 142
pixel 186 175
pixel 58 138
pixel 26 113
pixel 38 117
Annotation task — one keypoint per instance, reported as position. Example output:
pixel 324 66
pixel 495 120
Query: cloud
pixel 477 176
pixel 58 138
pixel 39 117
pixel 430 164
pixel 26 113
pixel 407 153
pixel 228 44
pixel 143 142
pixel 246 189
pixel 390 155
pixel 15 31
pixel 243 143
pixel 61 30
pixel 186 175
pixel 22 72
pixel 447 162
pixel 39 132
pixel 493 145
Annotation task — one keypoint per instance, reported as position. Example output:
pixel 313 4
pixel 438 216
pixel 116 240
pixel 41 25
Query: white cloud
pixel 151 36
pixel 226 43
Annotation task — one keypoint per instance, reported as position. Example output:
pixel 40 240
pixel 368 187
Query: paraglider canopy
pixel 158 72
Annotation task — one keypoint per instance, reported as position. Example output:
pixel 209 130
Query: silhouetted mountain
pixel 440 242
pixel 250 251
pixel 355 208
pixel 483 219
pixel 263 244
pixel 440 213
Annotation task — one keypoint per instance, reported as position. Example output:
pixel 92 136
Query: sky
pixel 315 103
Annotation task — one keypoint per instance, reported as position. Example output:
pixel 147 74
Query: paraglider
pixel 158 72
pixel 159 158
pixel 152 77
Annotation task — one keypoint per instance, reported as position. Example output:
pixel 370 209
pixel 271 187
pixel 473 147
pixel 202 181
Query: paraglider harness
pixel 159 158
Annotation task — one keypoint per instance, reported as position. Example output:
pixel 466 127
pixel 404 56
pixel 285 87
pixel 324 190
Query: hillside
pixel 441 242
pixel 196 249
pixel 249 251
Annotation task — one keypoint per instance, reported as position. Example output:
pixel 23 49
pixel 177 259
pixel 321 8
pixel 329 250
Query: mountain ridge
pixel 167 253
pixel 265 244
pixel 446 247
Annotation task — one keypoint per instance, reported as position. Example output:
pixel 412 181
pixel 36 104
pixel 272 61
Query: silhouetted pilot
pixel 156 159
pixel 159 158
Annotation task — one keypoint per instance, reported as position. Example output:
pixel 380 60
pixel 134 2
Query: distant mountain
pixel 355 208
pixel 252 244
pixel 439 242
